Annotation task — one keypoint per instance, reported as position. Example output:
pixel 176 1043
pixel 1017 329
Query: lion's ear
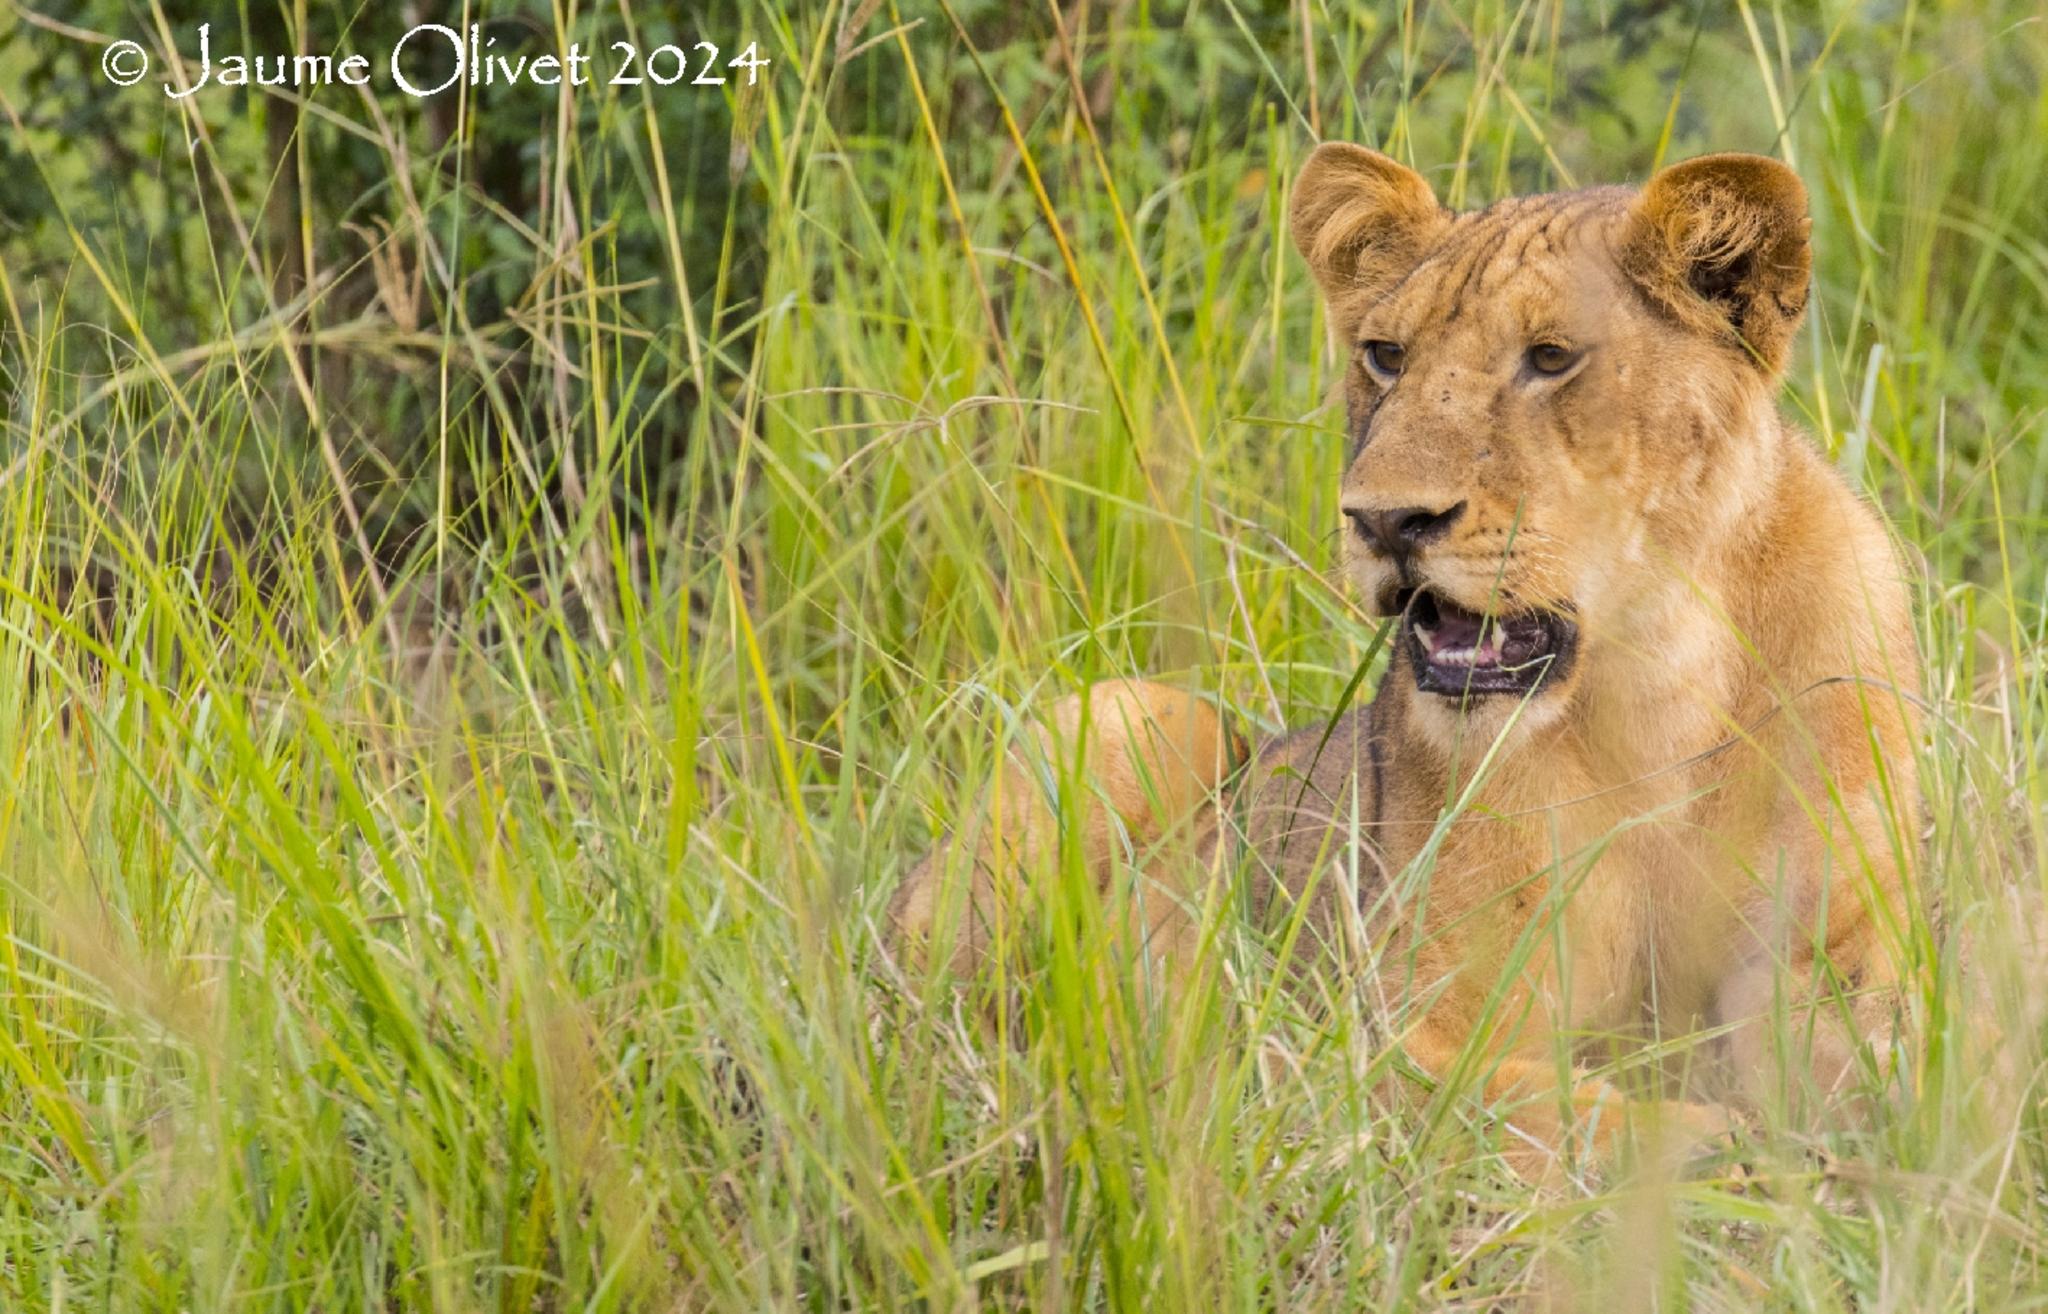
pixel 1721 241
pixel 1361 221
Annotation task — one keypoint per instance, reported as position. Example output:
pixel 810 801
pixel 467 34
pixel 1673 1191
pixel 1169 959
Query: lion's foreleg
pixel 1814 1003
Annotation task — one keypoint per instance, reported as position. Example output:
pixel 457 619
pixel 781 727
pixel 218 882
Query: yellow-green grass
pixel 498 926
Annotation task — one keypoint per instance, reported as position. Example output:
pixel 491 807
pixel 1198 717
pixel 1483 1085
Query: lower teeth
pixel 1495 650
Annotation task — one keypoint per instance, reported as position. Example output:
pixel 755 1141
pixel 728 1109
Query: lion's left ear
pixel 1721 242
pixel 1362 221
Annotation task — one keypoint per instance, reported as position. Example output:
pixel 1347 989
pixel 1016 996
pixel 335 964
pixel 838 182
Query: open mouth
pixel 1457 652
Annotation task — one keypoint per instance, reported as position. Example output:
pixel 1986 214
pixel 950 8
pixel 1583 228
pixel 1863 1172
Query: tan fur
pixel 1151 758
pixel 1712 808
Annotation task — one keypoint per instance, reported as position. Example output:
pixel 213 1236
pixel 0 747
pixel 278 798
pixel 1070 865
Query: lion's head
pixel 1559 407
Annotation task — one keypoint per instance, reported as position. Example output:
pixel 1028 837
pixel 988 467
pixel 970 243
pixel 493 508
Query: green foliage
pixel 496 589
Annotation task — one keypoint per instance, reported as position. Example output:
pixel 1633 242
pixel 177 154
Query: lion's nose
pixel 1398 531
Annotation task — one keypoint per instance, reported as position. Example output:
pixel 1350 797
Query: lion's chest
pixel 1645 931
pixel 1617 898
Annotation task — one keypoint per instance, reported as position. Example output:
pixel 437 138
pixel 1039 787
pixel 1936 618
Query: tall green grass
pixel 443 869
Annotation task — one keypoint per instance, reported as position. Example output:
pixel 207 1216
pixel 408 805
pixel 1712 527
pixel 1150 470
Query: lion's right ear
pixel 1721 242
pixel 1361 221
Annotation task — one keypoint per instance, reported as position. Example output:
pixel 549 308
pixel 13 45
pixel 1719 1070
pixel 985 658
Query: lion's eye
pixel 1551 358
pixel 1386 357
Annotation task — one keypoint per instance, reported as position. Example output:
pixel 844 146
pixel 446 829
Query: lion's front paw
pixel 1671 1129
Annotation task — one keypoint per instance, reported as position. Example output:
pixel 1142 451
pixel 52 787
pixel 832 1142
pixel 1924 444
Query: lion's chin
pixel 1459 653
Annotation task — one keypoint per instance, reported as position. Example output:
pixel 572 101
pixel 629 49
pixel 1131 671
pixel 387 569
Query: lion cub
pixel 1647 725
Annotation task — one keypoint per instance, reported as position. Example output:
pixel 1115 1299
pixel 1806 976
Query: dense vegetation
pixel 497 585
